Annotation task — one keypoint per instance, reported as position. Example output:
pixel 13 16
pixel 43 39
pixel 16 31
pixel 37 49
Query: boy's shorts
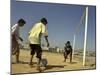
pixel 36 48
pixel 67 52
pixel 15 45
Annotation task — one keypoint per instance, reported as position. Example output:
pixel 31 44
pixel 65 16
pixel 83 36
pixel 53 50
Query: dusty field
pixel 55 63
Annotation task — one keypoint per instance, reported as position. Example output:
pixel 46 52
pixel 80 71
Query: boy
pixel 35 34
pixel 68 51
pixel 16 37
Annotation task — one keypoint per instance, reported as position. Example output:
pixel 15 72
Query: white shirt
pixel 36 33
pixel 15 31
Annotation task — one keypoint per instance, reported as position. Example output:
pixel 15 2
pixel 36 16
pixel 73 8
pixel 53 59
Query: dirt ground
pixel 55 63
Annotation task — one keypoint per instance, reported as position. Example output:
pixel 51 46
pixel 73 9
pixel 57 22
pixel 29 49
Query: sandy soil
pixel 55 63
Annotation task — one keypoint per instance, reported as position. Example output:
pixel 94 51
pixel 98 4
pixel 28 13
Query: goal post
pixel 85 36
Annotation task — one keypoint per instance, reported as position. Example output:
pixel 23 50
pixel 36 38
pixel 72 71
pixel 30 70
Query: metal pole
pixel 73 45
pixel 85 37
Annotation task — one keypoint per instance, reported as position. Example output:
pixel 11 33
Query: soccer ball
pixel 43 65
pixel 44 62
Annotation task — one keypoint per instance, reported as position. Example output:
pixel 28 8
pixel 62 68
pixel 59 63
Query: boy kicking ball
pixel 15 37
pixel 35 34
pixel 68 51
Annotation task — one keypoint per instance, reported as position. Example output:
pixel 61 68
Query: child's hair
pixel 44 20
pixel 68 42
pixel 21 21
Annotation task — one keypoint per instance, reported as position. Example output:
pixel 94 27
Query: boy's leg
pixel 15 48
pixel 39 56
pixel 17 53
pixel 14 45
pixel 17 57
pixel 31 60
pixel 32 53
pixel 65 56
pixel 71 57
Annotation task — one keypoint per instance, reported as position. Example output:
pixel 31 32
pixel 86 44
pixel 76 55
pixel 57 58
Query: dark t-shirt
pixel 68 48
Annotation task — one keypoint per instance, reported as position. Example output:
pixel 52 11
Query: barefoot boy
pixel 15 37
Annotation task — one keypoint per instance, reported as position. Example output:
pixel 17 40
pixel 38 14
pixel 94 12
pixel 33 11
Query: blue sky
pixel 62 21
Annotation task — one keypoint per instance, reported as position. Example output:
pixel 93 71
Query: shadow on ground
pixel 54 66
pixel 72 62
pixel 23 62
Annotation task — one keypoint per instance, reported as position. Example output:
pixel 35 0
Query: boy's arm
pixel 20 38
pixel 45 34
pixel 71 49
pixel 71 54
pixel 65 48
pixel 46 38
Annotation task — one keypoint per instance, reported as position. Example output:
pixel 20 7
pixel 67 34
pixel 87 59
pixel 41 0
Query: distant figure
pixel 67 51
pixel 15 37
pixel 58 50
pixel 35 34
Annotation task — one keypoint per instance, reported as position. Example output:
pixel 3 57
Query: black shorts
pixel 68 52
pixel 36 48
